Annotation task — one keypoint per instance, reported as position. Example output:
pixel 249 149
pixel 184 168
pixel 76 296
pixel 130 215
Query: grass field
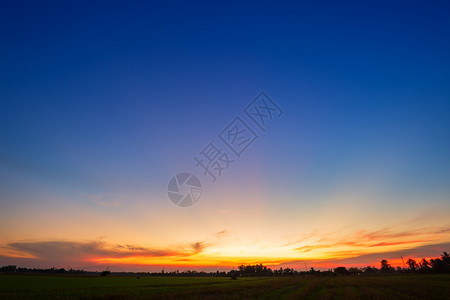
pixel 377 287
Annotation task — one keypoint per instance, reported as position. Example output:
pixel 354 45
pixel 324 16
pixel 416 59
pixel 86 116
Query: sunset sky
pixel 101 104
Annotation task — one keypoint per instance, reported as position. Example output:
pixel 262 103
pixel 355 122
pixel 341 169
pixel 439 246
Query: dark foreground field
pixel 379 287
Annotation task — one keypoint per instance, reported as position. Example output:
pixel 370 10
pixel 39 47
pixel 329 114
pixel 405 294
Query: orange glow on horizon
pixel 233 262
pixel 180 261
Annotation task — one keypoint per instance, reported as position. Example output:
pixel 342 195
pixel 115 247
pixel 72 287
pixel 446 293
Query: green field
pixel 334 287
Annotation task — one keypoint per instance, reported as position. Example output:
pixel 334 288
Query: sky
pixel 102 104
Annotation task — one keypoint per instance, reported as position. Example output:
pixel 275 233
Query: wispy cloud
pixel 73 252
pixel 221 233
pixel 54 250
pixel 107 200
pixel 66 252
pixel 363 239
pixel 220 248
pixel 356 258
pixel 198 247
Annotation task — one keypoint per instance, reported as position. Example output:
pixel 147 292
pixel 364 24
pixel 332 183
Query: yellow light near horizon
pixel 186 261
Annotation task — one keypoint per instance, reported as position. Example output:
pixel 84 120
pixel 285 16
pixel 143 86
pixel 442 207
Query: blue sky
pixel 113 99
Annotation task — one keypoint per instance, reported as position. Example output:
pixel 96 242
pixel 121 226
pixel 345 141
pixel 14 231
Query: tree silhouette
pixel 412 264
pixel 386 267
pixel 433 265
pixel 441 265
pixel 341 271
pixel 424 266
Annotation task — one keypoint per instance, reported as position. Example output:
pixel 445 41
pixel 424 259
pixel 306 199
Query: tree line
pixel 424 266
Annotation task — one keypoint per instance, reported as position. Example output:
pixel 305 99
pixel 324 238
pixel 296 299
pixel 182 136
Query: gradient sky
pixel 102 103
